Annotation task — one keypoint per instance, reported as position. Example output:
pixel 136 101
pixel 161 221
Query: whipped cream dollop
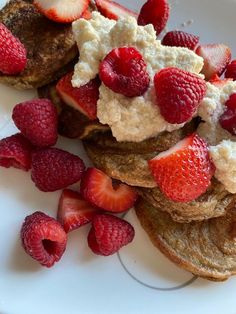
pixel 130 119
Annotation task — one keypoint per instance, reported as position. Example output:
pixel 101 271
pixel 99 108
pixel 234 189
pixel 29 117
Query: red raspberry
pixel 155 12
pixel 15 151
pixel 43 238
pixel 231 70
pixel 13 55
pixel 123 70
pixel 37 120
pixel 108 234
pixel 228 118
pixel 180 39
pixel 183 172
pixel 179 94
pixel 54 169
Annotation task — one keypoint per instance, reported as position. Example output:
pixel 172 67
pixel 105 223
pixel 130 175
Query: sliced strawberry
pixel 216 58
pixel 60 10
pixel 228 118
pixel 113 10
pixel 216 80
pixel 184 171
pixel 86 15
pixel 97 188
pixel 82 98
pixel 74 211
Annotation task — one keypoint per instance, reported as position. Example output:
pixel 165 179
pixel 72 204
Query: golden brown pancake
pixel 206 249
pixel 50 46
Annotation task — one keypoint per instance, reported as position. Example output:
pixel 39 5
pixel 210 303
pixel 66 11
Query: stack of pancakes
pixel 199 236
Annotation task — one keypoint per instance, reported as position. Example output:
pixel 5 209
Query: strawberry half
pixel 83 98
pixel 97 188
pixel 60 10
pixel 74 211
pixel 216 58
pixel 113 10
pixel 184 171
pixel 216 80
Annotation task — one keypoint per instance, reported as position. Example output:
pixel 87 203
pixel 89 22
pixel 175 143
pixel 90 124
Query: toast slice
pixel 206 249
pixel 50 46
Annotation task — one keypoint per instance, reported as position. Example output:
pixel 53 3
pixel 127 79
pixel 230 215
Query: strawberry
pixel 179 94
pixel 43 238
pixel 97 188
pixel 60 10
pixel 113 10
pixel 13 55
pixel 215 80
pixel 183 172
pixel 37 121
pixel 109 234
pixel 15 151
pixel 124 71
pixel 231 70
pixel 228 118
pixel 86 15
pixel 54 169
pixel 155 12
pixel 74 211
pixel 180 39
pixel 216 58
pixel 83 98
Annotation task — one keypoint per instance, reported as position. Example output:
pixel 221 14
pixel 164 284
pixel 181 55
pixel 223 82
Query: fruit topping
pixel 123 70
pixel 54 169
pixel 216 58
pixel 61 11
pixel 13 55
pixel 155 12
pixel 231 70
pixel 113 10
pixel 98 189
pixel 216 80
pixel 82 98
pixel 109 234
pixel 228 118
pixel 179 94
pixel 74 211
pixel 15 151
pixel 86 15
pixel 180 39
pixel 37 121
pixel 183 172
pixel 43 238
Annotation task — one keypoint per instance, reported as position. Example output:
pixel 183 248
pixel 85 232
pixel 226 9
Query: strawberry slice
pixel 215 80
pixel 60 10
pixel 86 15
pixel 184 171
pixel 228 118
pixel 113 10
pixel 82 98
pixel 98 189
pixel 216 58
pixel 74 211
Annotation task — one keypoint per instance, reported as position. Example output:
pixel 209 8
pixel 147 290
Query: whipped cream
pixel 130 119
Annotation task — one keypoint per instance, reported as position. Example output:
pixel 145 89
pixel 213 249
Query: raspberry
pixel 43 238
pixel 179 94
pixel 54 169
pixel 231 70
pixel 228 118
pixel 37 120
pixel 108 234
pixel 13 55
pixel 123 70
pixel 155 12
pixel 15 151
pixel 180 39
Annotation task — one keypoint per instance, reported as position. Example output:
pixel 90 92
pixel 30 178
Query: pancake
pixel 206 249
pixel 211 204
pixel 71 122
pixel 50 46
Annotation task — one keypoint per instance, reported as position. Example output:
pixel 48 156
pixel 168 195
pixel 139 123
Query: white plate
pixel 139 279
